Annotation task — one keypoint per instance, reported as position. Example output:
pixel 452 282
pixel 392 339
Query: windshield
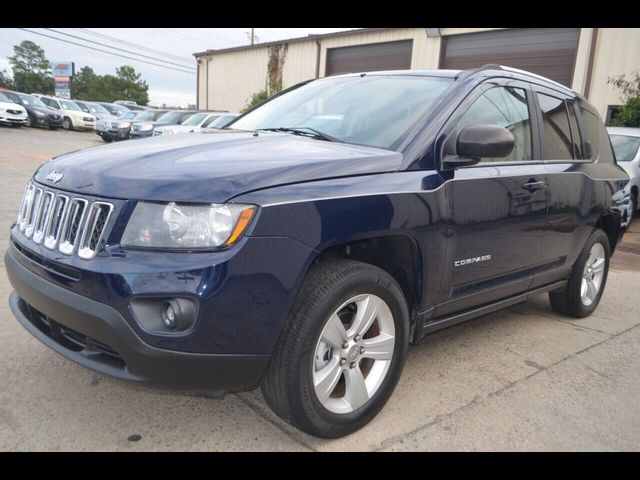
pixel 96 108
pixel 144 116
pixel 219 122
pixel 171 117
pixel 194 120
pixel 67 105
pixel 375 110
pixel 4 99
pixel 32 101
pixel 625 147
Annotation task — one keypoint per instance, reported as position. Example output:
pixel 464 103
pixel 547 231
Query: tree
pixel 629 115
pixel 256 98
pixel 126 84
pixel 31 69
pixel 5 80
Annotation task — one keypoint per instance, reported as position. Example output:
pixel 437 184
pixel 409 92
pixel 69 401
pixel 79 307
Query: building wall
pixel 231 77
pixel 617 52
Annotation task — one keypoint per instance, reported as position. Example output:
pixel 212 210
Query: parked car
pixel 172 117
pixel 95 109
pixel 305 260
pixel 73 118
pixel 626 145
pixel 195 123
pixel 119 129
pixel 114 109
pixel 38 114
pixel 11 113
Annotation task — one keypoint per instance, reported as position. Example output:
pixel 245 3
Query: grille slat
pixel 72 225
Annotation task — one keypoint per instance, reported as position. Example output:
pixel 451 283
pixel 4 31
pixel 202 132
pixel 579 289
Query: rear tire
pixel 335 298
pixel 587 281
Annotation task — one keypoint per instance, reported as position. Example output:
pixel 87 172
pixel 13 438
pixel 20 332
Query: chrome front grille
pixel 70 224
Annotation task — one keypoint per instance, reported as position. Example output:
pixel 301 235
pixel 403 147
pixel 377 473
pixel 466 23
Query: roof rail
pixel 470 71
pixel 494 66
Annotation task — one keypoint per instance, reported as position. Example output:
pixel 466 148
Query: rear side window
pixel 591 130
pixel 556 143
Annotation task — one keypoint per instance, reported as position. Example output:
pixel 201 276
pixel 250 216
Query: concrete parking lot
pixel 524 378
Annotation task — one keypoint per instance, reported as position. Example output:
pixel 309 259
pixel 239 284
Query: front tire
pixel 342 349
pixel 30 121
pixel 587 281
pixel 67 124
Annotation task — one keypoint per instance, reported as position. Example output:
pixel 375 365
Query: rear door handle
pixel 533 186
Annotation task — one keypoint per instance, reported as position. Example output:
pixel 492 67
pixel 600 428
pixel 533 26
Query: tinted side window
pixel 575 132
pixel 591 129
pixel 506 107
pixel 556 143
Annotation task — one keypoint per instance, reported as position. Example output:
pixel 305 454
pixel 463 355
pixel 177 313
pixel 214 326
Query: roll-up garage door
pixel 550 52
pixel 370 57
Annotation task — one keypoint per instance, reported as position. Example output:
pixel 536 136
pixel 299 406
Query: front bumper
pixel 9 119
pixel 96 336
pixel 140 133
pixel 48 122
pixel 114 133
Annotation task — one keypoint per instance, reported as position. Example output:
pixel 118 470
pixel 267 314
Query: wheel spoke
pixel 598 265
pixel 365 315
pixel 592 291
pixel 325 380
pixel 356 388
pixel 380 347
pixel 334 333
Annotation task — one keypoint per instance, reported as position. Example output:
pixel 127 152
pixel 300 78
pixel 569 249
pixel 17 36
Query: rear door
pixel 498 207
pixel 572 190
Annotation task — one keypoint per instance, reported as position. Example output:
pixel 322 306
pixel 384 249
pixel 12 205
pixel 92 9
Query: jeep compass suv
pixel 305 246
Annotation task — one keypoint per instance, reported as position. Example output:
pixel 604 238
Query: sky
pixel 163 45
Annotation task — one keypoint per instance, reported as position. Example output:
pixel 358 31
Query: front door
pixel 498 207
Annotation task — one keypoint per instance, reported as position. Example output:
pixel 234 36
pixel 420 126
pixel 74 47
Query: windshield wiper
pixel 308 131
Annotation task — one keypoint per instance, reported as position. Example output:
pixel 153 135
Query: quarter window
pixel 592 127
pixel 505 107
pixel 556 143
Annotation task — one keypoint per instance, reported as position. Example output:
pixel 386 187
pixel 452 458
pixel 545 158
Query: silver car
pixel 626 145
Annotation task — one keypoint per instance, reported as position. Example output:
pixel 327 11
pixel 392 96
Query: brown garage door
pixel 370 57
pixel 550 52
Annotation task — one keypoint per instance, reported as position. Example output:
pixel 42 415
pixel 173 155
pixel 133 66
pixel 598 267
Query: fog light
pixel 177 313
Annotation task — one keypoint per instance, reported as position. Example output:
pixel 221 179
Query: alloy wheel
pixel 592 274
pixel 353 354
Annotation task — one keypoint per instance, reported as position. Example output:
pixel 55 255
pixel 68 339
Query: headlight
pixel 39 114
pixel 123 124
pixel 145 127
pixel 181 226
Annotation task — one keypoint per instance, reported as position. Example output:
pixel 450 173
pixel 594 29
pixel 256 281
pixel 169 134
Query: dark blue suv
pixel 304 247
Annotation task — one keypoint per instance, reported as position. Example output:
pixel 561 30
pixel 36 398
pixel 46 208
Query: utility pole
pixel 252 30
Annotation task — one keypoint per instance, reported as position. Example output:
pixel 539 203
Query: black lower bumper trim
pixel 96 336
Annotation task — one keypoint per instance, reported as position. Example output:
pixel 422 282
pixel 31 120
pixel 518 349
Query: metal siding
pixel 550 52
pixel 370 57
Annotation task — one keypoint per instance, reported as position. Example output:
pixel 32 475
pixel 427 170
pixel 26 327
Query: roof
pixel 288 40
pixel 629 131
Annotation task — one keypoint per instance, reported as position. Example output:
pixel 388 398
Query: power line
pixel 106 51
pixel 189 37
pixel 120 49
pixel 142 47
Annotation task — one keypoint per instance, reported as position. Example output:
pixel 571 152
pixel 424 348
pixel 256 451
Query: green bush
pixel 256 98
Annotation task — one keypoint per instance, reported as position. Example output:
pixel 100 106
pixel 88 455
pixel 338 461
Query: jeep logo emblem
pixel 54 177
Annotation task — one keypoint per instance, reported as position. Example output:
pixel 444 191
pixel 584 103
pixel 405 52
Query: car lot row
pixel 116 121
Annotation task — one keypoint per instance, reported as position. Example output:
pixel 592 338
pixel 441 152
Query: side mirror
pixel 480 141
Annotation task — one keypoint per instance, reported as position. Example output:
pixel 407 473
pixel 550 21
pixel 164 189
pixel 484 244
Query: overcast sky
pixel 176 88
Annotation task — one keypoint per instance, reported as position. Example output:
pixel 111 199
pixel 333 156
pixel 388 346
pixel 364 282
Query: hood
pixel 632 169
pixel 45 110
pixel 12 106
pixel 176 128
pixel 209 168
